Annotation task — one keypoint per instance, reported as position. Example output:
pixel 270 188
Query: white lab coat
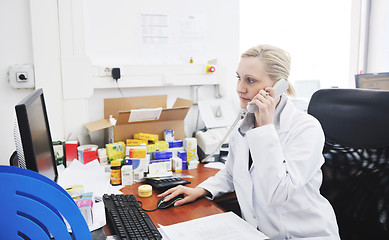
pixel 280 194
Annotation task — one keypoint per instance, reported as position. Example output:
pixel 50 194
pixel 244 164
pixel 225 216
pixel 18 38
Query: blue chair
pixel 34 207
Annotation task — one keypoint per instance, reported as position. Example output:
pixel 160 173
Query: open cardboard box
pixel 120 109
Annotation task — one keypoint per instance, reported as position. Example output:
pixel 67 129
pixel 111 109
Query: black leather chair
pixel 356 171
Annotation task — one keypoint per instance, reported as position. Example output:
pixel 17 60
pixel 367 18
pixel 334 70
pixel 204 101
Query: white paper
pixel 155 37
pixel 164 236
pixel 93 178
pixel 98 212
pixel 145 114
pixel 215 165
pixel 191 38
pixel 223 226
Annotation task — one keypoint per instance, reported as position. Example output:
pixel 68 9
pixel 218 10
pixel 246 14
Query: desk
pixel 200 208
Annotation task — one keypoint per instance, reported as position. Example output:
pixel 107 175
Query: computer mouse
pixel 167 204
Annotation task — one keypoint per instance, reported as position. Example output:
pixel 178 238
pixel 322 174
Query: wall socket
pixel 21 76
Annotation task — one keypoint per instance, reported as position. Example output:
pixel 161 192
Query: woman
pixel 274 159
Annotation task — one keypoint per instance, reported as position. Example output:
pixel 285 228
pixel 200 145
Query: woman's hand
pixel 266 106
pixel 190 194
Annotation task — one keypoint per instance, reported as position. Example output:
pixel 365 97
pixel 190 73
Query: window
pixel 315 32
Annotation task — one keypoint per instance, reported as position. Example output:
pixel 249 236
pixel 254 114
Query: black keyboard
pixel 164 183
pixel 125 216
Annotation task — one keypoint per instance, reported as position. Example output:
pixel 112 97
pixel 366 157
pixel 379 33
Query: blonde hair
pixel 276 62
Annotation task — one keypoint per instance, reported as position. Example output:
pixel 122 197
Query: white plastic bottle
pixel 127 174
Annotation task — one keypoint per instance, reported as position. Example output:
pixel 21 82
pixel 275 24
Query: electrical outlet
pixel 107 72
pixel 21 76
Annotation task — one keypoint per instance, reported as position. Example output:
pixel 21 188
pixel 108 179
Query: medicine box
pixel 122 108
pixel 71 150
pixel 177 164
pixel 161 155
pixel 85 204
pixel 160 167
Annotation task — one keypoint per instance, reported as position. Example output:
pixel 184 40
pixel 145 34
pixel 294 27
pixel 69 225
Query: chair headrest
pixel 353 117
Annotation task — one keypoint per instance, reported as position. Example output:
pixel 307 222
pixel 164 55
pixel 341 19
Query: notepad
pixel 222 226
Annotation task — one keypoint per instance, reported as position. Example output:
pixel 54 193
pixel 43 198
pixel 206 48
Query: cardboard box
pixel 121 108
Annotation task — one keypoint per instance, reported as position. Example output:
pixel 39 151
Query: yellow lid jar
pixel 145 190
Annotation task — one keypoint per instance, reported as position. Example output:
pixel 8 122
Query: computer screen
pixel 372 81
pixel 36 150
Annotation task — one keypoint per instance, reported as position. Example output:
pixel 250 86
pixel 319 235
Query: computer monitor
pixel 378 81
pixel 35 148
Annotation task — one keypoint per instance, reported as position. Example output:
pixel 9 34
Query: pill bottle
pixel 127 174
pixel 102 154
pixel 169 135
pixel 116 175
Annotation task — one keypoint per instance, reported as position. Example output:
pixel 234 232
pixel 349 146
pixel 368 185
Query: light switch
pixel 21 76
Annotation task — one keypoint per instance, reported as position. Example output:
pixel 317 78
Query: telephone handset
pixel 280 87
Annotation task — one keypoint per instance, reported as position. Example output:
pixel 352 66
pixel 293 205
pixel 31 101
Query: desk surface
pixel 200 208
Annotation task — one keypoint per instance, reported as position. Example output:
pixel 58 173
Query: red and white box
pixel 71 150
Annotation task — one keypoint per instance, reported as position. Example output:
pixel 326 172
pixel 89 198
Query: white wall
pixel 221 42
pixel 25 41
pixel 15 48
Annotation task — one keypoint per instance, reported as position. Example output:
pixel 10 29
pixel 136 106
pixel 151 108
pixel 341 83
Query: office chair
pixel 356 152
pixel 13 160
pixel 34 207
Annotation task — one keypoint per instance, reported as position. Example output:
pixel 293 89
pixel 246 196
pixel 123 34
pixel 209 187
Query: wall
pixel 221 42
pixel 15 48
pixel 31 38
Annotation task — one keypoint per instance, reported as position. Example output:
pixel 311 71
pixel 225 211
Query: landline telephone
pixel 279 87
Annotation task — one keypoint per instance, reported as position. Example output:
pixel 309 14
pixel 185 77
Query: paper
pixel 145 114
pixel 191 37
pixel 93 178
pixel 155 38
pixel 223 226
pixel 215 165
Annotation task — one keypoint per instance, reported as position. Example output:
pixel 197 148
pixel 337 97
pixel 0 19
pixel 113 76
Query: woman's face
pixel 251 78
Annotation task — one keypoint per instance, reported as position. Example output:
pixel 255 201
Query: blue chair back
pixel 34 207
